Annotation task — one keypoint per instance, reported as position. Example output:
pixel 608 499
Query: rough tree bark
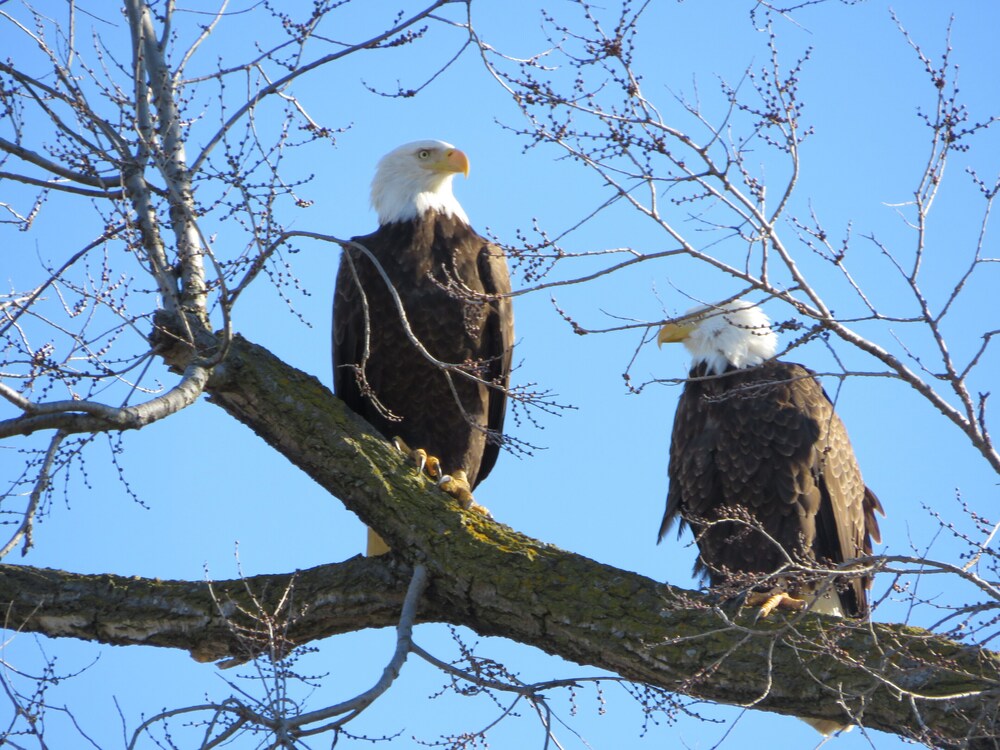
pixel 488 577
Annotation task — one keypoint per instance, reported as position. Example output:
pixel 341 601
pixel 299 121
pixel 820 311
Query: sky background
pixel 205 497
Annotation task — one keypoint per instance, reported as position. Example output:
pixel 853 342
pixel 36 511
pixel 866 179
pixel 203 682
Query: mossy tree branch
pixel 490 578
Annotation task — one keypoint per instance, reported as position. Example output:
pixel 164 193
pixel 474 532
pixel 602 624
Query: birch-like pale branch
pixel 169 153
pixel 73 417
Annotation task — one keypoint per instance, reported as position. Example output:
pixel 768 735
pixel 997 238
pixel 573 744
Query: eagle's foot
pixel 425 463
pixel 456 484
pixel 772 600
pixel 432 466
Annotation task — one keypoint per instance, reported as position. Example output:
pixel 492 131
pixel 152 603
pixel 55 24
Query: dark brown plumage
pixel 760 443
pixel 445 275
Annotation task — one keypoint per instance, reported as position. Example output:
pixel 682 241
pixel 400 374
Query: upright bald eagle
pixel 452 285
pixel 761 467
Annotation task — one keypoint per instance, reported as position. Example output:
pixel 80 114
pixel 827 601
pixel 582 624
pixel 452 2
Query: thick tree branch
pixel 211 620
pixel 497 582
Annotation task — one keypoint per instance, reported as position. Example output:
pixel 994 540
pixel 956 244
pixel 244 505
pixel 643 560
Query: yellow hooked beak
pixel 673 333
pixel 453 160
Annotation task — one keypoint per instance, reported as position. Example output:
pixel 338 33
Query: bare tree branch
pixel 85 416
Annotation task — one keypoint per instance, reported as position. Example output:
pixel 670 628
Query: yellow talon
pixel 457 485
pixel 481 509
pixel 425 462
pixel 771 601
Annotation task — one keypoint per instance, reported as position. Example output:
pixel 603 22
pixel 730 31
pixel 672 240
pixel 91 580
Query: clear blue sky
pixel 597 485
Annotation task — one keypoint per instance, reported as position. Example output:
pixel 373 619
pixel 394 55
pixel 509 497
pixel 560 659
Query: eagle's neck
pixel 403 197
pixel 713 363
pixel 729 377
pixel 733 335
pixel 719 350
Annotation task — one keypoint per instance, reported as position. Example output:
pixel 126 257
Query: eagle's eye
pixel 423 153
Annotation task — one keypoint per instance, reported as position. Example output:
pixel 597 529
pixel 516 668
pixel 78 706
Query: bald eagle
pixel 439 381
pixel 761 468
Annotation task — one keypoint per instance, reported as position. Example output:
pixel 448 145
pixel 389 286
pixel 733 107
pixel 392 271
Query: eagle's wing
pixel 692 471
pixel 349 326
pixel 766 441
pixel 497 346
pixel 845 523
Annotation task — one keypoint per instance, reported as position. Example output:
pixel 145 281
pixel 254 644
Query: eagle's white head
pixel 736 334
pixel 416 178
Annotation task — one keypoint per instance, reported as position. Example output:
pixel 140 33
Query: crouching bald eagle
pixel 453 287
pixel 762 470
pixel 761 467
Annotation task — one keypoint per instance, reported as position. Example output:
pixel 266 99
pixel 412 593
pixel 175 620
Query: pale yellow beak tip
pixel 672 333
pixel 662 337
pixel 458 162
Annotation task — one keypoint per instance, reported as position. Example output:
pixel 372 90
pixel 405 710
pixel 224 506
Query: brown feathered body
pixel 762 445
pixel 450 282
